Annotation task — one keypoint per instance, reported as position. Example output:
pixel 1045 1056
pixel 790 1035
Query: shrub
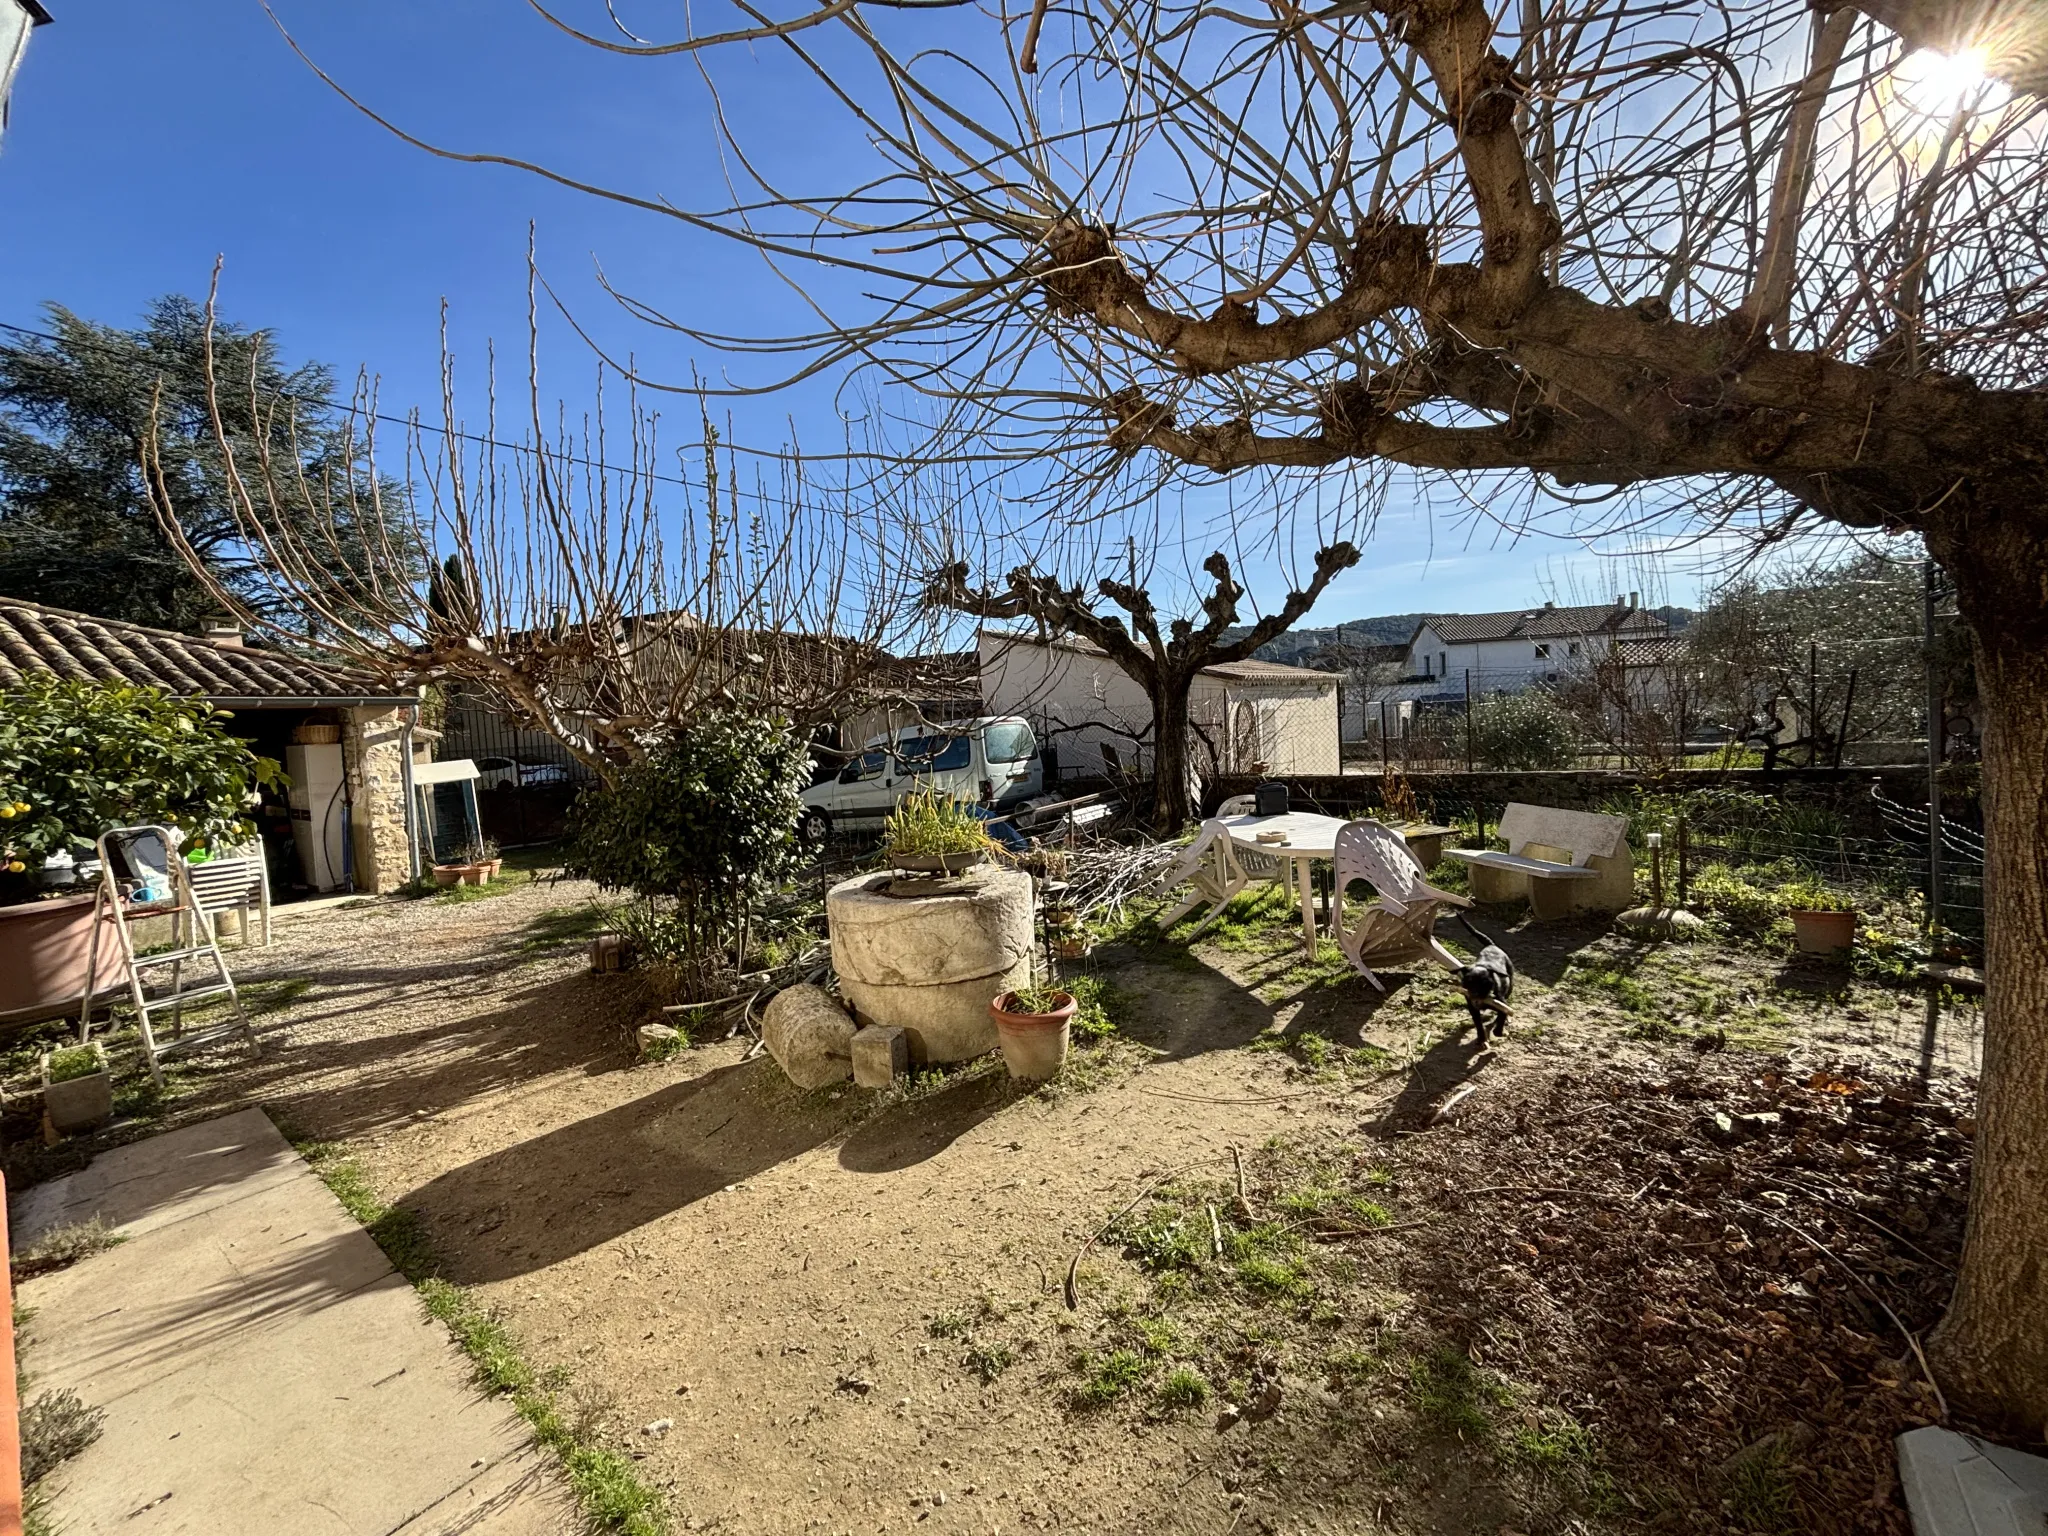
pixel 73 1062
pixel 702 827
pixel 78 757
pixel 1527 731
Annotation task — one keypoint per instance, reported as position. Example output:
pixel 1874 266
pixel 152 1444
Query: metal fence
pixel 529 780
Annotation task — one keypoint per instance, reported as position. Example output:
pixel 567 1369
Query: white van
pixel 992 762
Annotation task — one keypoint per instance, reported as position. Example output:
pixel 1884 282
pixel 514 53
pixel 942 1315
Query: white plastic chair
pixel 1210 865
pixel 1399 925
pixel 1257 865
pixel 239 883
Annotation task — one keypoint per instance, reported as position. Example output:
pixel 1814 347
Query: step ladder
pixel 161 983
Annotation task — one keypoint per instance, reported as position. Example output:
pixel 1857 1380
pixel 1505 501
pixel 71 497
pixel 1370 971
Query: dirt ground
pixel 849 1314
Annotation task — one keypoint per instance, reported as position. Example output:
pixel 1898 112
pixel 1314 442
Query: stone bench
pixel 1560 862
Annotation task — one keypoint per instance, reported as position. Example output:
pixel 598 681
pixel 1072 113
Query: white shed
pixel 1246 716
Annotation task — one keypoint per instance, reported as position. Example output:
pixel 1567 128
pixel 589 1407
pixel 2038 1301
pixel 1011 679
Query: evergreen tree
pixel 77 529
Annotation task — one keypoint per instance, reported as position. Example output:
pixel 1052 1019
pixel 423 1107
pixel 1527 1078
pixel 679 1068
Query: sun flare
pixel 1942 84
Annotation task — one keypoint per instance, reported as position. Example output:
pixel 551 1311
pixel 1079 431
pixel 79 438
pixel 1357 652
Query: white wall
pixel 1084 703
pixel 1498 664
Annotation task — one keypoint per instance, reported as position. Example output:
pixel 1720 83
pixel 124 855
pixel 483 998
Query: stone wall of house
pixel 372 743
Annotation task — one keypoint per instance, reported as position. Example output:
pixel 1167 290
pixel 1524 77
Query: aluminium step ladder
pixel 149 856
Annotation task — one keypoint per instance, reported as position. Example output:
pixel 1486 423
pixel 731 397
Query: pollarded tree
pixel 1549 255
pixel 1162 662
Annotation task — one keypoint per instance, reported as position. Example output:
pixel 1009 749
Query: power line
pixel 415 424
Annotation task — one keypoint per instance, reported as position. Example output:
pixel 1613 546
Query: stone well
pixel 929 955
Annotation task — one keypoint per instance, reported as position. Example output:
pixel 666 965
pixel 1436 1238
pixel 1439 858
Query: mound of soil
pixel 1717 1271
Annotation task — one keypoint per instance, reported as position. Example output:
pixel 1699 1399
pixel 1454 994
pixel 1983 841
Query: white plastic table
pixel 1308 837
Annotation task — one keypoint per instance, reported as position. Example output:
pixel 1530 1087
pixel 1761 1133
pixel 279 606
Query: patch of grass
pixel 1182 1390
pixel 1100 1007
pixel 60 1247
pixel 1556 1443
pixel 1105 1380
pixel 559 926
pixel 1156 1336
pixel 74 1062
pixel 1613 985
pixel 1347 1367
pixel 55 1427
pixel 612 1497
pixel 1166 1237
pixel 948 1325
pixel 988 1361
pixel 1274 1276
pixel 1759 1493
pixel 1451 1395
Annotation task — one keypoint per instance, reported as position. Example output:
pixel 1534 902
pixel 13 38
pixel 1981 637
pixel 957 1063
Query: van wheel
pixel 815 828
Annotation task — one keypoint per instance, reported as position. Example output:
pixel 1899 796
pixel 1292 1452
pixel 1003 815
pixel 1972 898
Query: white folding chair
pixel 1399 924
pixel 237 883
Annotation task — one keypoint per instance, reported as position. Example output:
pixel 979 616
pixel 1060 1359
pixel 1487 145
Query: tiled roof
pixel 1649 650
pixel 34 639
pixel 1240 671
pixel 1545 623
pixel 1267 671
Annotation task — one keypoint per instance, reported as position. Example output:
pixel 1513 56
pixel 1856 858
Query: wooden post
pixel 1468 719
pixel 10 1409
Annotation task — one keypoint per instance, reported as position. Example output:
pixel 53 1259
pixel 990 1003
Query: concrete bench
pixel 1560 862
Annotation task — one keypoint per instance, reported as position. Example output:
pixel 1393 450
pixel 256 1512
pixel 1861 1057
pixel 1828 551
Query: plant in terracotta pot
pixel 1034 1025
pixel 1823 922
pixel 933 831
pixel 75 759
pixel 78 1088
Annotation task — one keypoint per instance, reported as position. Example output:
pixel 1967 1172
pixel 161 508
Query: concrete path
pixel 262 1367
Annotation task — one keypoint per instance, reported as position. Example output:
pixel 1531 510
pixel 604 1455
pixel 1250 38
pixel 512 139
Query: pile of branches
pixel 1103 877
pixel 1724 1273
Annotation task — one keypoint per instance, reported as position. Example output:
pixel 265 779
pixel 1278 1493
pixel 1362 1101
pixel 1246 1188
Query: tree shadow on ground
pixel 1178 1005
pixel 364 1085
pixel 907 1132
pixel 1445 1066
pixel 565 1191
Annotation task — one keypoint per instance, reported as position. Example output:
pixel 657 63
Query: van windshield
pixel 1009 741
pixel 933 754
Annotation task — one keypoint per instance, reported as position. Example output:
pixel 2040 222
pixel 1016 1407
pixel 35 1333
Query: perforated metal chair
pixel 239 883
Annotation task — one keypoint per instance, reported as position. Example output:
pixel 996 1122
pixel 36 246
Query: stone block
pixel 657 1039
pixel 881 1054
pixel 810 1036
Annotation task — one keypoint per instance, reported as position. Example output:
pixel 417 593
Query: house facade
pixel 17 19
pixel 346 741
pixel 1521 648
pixel 1245 716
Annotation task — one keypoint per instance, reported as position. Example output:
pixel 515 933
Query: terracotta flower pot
pixel 1824 933
pixel 448 874
pixel 1034 1044
pixel 491 868
pixel 44 950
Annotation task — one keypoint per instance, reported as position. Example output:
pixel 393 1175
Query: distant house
pixel 1246 716
pixel 1507 652
pixel 346 740
pixel 17 18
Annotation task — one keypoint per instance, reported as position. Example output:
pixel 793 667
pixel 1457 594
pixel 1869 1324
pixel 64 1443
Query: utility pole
pixel 1933 750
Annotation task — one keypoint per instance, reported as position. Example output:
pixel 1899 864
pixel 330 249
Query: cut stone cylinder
pixel 930 963
pixel 810 1036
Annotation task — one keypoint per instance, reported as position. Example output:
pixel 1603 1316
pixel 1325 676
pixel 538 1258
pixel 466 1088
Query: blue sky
pixel 149 137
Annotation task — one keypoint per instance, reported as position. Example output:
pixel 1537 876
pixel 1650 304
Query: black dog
pixel 1489 982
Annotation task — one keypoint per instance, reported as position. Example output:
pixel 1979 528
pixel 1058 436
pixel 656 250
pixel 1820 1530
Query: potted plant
pixel 1034 1025
pixel 79 757
pixel 933 832
pixel 1822 922
pixel 78 1088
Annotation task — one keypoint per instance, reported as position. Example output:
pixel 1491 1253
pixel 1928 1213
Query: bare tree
pixel 1164 663
pixel 566 587
pixel 1617 263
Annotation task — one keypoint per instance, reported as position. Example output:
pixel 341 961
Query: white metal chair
pixel 1399 925
pixel 239 883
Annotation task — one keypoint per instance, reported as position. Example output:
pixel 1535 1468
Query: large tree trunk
pixel 1170 808
pixel 1991 1351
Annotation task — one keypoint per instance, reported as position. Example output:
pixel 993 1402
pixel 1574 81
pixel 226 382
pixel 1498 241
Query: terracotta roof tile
pixel 35 639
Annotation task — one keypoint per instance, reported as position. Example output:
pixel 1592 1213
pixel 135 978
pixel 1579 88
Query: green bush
pixel 1523 731
pixel 77 758
pixel 703 828
pixel 74 1062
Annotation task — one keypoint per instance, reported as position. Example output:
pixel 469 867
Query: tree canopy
pixel 77 527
